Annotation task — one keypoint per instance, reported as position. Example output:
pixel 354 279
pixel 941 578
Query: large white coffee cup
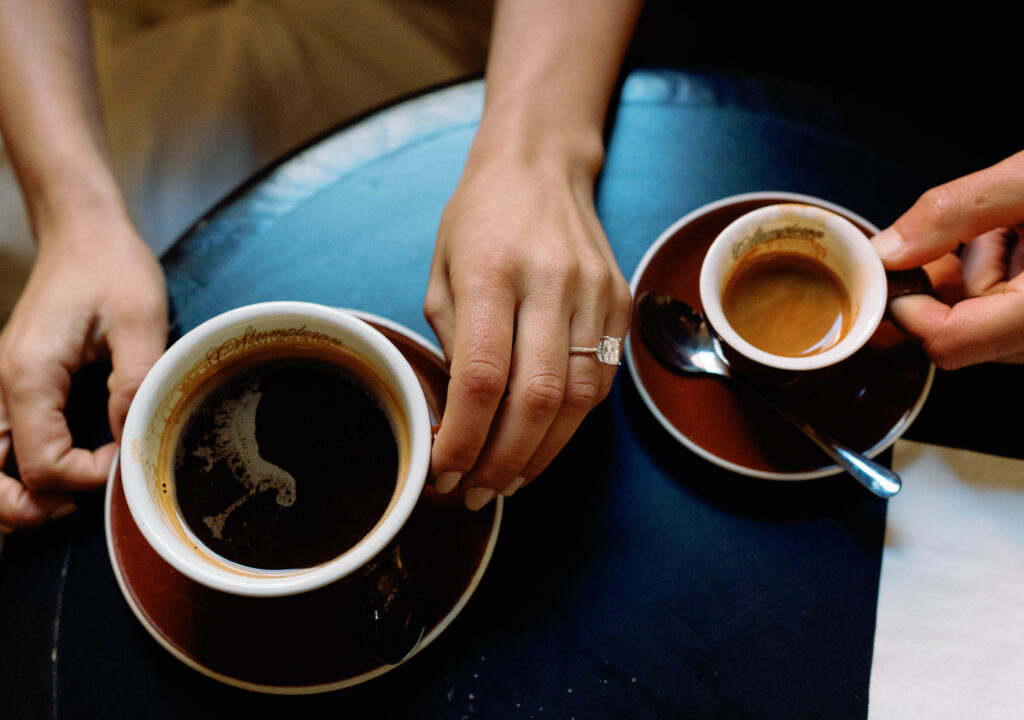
pixel 169 389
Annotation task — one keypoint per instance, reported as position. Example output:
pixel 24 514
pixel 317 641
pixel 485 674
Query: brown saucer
pixel 867 402
pixel 314 642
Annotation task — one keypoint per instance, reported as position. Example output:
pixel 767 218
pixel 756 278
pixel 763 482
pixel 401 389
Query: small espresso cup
pixel 275 449
pixel 792 288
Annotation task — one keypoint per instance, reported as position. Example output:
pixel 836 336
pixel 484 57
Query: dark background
pixel 936 89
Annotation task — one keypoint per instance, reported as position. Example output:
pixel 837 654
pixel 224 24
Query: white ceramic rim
pixel 634 283
pixel 178 554
pixel 870 308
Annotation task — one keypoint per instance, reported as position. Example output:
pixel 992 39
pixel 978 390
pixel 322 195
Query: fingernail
pixel 477 497
pixel 63 511
pixel 446 481
pixel 888 243
pixel 513 486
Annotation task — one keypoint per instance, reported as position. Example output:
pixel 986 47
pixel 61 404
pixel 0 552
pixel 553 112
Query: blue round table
pixel 634 580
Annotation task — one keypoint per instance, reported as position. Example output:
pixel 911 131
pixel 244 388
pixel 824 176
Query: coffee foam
pixel 234 442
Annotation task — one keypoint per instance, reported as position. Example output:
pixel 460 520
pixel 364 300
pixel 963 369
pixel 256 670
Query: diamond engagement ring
pixel 608 350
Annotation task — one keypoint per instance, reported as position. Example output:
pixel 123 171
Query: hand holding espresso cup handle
pixel 908 282
pixel 966 234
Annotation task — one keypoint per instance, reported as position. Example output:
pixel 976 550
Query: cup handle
pixel 395 626
pixel 908 282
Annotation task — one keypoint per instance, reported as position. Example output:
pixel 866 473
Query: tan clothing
pixel 199 94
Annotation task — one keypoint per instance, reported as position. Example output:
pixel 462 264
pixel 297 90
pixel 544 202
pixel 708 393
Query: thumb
pixel 133 352
pixel 954 213
pixel 22 508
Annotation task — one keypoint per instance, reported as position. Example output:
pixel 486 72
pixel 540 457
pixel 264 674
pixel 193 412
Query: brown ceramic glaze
pixel 859 402
pixel 315 640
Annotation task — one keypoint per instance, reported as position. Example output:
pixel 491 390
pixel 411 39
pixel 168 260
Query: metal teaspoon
pixel 680 339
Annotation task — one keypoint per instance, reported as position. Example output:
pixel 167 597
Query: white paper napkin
pixel 949 640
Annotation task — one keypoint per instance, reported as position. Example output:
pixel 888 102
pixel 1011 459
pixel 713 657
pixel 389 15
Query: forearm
pixel 50 116
pixel 550 75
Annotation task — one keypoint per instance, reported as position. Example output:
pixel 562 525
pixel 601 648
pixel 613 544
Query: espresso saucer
pixel 867 402
pixel 314 642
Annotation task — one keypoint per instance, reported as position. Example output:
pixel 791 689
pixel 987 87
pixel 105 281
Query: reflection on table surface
pixel 633 579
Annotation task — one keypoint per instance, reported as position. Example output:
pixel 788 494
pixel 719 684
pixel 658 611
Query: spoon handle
pixel 877 478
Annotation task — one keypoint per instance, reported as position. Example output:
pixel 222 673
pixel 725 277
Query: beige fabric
pixel 199 94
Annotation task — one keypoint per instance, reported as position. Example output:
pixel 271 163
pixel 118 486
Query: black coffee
pixel 285 463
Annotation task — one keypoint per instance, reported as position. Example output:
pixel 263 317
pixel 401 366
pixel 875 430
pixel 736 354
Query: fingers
pixel 20 507
pixel 954 213
pixel 518 276
pixel 1016 261
pixel 481 356
pixel 977 313
pixel 984 263
pixel 974 330
pixel 535 393
pixel 588 380
pixel 34 392
pixel 136 345
pixel 588 383
pixel 439 309
pixel 493 442
pixel 946 276
pixel 65 317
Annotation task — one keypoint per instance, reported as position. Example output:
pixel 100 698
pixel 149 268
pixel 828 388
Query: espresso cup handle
pixel 908 282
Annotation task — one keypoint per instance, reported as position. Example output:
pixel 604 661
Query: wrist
pixel 71 204
pixel 544 141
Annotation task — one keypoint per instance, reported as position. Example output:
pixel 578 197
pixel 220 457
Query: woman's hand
pixel 94 292
pixel 522 271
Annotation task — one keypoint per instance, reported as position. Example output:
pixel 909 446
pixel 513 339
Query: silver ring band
pixel 608 350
